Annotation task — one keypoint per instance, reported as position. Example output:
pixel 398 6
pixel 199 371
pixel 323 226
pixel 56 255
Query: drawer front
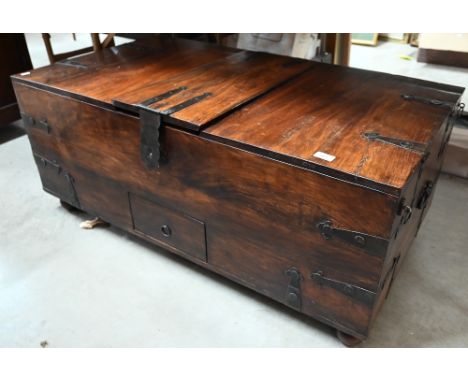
pixel 172 228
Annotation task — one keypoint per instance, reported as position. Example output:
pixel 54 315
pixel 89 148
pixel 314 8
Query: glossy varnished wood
pixel 244 196
pixel 251 206
pixel 228 83
pixel 110 73
pixel 328 109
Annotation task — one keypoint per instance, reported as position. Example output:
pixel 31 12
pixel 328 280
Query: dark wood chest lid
pixel 364 127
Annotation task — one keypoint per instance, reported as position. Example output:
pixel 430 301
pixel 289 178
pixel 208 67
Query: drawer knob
pixel 166 230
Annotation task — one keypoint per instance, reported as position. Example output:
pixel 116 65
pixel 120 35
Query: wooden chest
pixel 304 181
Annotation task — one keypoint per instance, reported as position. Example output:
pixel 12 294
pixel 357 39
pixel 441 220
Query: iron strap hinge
pixel 425 195
pixel 293 291
pixel 72 63
pixel 40 124
pixel 404 144
pixel 357 293
pixel 163 96
pixel 428 101
pixel 373 245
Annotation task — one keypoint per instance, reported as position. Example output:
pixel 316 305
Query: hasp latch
pixel 40 124
pixel 357 293
pixel 404 144
pixel 293 291
pixel 152 120
pixel 373 245
pixel 150 124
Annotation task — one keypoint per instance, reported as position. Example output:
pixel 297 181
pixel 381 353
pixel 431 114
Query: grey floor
pixel 76 288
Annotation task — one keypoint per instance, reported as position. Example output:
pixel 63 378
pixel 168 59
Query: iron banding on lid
pixel 428 101
pixel 160 97
pixel 184 104
pixel 404 144
pixel 73 63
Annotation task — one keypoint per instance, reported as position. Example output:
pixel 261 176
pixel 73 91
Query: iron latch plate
pixel 428 101
pixel 150 124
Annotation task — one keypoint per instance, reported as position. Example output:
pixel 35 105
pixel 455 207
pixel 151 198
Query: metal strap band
pixel 160 97
pixel 428 101
pixel 373 245
pixel 73 63
pixel 185 104
pixel 360 294
pixel 408 145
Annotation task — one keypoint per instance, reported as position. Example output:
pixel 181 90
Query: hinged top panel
pixel 360 126
pixel 100 77
pixel 200 95
pixel 366 127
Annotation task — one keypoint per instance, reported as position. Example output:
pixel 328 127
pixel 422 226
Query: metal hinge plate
pixel 40 124
pixel 72 63
pixel 373 245
pixel 428 101
pixel 404 144
pixel 357 293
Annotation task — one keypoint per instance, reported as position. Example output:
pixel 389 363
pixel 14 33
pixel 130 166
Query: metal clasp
pixel 293 291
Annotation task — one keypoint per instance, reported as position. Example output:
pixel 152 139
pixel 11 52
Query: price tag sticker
pixel 324 156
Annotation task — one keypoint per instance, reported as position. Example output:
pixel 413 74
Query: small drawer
pixel 173 228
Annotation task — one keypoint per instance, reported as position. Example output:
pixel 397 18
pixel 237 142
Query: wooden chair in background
pixel 96 45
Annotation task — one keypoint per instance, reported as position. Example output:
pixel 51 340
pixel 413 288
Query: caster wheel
pixel 69 207
pixel 347 339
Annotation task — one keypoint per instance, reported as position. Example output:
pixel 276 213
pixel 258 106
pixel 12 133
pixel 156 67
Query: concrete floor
pixel 102 288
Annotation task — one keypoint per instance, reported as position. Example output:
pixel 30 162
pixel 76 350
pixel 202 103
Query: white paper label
pixel 324 156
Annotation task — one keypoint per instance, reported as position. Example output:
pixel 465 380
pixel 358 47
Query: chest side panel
pixel 415 203
pixel 261 216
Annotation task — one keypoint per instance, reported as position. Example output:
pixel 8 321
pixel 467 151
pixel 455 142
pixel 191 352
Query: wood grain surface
pixel 243 194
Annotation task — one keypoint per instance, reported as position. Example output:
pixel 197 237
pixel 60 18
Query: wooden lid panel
pixel 200 95
pixel 336 120
pixel 329 109
pixel 112 72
